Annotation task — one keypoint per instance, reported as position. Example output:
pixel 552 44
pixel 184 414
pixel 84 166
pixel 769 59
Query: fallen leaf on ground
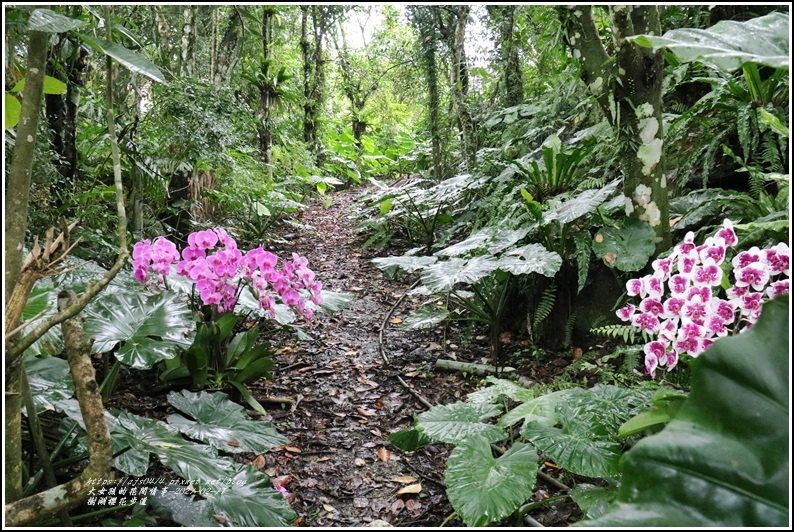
pixel 360 462
pixel 328 508
pixel 384 454
pixel 396 506
pixel 259 462
pixel 365 411
pixel 396 320
pixel 413 488
pixel 323 458
pixel 413 504
pixel 360 502
pixel 404 479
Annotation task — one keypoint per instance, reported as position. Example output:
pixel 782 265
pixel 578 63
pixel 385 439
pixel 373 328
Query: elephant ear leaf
pixel 723 460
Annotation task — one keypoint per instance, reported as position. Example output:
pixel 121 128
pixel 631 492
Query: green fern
pixel 545 305
pixel 568 335
pixel 630 334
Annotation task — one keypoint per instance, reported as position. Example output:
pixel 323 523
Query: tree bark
pixel 188 41
pixel 512 81
pixel 313 72
pixel 225 57
pixel 460 87
pixel 629 91
pixel 17 199
pixel 267 90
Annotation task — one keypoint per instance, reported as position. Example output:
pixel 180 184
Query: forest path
pixel 346 398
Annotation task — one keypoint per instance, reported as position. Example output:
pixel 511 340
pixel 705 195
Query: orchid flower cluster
pixel 219 270
pixel 693 316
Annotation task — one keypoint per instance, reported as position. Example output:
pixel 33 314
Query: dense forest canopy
pixel 531 168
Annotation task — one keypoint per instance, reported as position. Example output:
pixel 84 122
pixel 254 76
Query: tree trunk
pixel 460 87
pixel 512 82
pixel 629 91
pixel 267 91
pixel 188 41
pixel 226 54
pixel 313 73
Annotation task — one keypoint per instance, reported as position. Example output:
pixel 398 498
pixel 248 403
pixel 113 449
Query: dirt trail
pixel 346 398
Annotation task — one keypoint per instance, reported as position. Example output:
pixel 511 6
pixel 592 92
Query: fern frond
pixel 568 335
pixel 630 334
pixel 545 305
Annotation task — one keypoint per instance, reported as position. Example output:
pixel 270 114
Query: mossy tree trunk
pixel 629 91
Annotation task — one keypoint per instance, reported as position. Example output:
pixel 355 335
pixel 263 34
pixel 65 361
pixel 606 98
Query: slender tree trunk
pixel 313 72
pixel 188 41
pixel 460 87
pixel 267 92
pixel 512 81
pixel 16 207
pixel 163 37
pixel 226 56
pixel 629 90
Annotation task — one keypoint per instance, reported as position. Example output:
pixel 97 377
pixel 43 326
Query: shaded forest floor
pixel 346 396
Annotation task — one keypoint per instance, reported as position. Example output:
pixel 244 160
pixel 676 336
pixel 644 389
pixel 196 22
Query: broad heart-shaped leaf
pixel 532 258
pixel 491 394
pixel 49 21
pixel 729 44
pixel 425 318
pixel 50 381
pixel 585 203
pixel 187 510
pixel 593 500
pixel 540 410
pixel 150 329
pixel 51 86
pixel 12 110
pixel 483 489
pixel 405 263
pixel 222 423
pixel 247 499
pixel 627 248
pixel 43 303
pixel 132 60
pixel 408 439
pixel 723 461
pixel 459 421
pixel 444 275
pixel 575 452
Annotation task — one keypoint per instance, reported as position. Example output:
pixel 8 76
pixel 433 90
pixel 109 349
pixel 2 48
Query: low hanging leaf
pixel 483 489
pixel 458 422
pixel 49 380
pixel 627 248
pixel 131 60
pixel 723 461
pixel 444 275
pixel 222 423
pixel 729 44
pixel 49 21
pixel 425 318
pixel 408 440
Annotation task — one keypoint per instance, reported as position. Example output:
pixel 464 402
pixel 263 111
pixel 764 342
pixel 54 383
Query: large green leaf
pixel 458 422
pixel 51 86
pixel 626 248
pixel 444 275
pixel 532 258
pixel 149 329
pixel 50 381
pixel 247 499
pixel 575 452
pixel 729 44
pixel 133 61
pixel 408 439
pixel 184 509
pixel 405 263
pixel 723 461
pixel 499 388
pixel 425 318
pixel 541 410
pixel 12 109
pixel 585 203
pixel 42 305
pixel 222 423
pixel 483 489
pixel 49 21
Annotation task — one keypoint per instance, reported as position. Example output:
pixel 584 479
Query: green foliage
pixel 50 381
pixel 627 247
pixel 729 44
pixel 245 497
pixel 723 460
pixel 577 428
pixel 631 334
pixel 557 174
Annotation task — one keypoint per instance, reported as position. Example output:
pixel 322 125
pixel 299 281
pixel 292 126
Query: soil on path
pixel 343 398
